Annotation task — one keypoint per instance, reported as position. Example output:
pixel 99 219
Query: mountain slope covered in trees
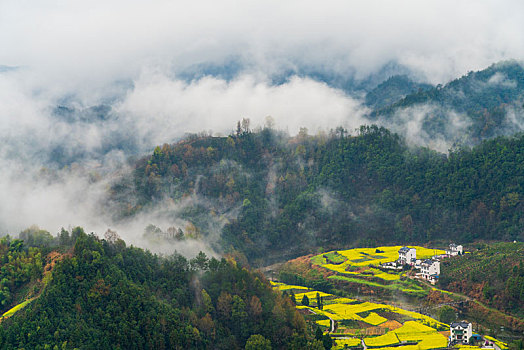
pixel 278 195
pixel 104 295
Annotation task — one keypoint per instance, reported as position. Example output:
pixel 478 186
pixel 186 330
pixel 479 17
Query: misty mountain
pixel 110 136
pixel 477 106
pixel 474 107
pixel 270 194
pixel 349 81
pixel 393 89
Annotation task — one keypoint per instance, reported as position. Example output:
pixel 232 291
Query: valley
pixel 381 309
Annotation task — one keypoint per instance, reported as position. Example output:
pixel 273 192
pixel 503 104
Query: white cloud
pixel 409 122
pixel 164 108
pixel 81 44
pixel 502 81
pixel 158 109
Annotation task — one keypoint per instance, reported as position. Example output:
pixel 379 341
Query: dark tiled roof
pixel 403 250
pixel 461 324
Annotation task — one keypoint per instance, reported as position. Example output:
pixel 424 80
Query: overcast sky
pixel 85 42
pixel 71 50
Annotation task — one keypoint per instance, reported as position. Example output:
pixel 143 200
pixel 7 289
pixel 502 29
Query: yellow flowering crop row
pixel 427 337
pixel 386 276
pixel 325 323
pixel 339 301
pixel 411 330
pixel 311 295
pixel 350 342
pixel 434 341
pixel 282 286
pixel 501 344
pixel 466 347
pixel 389 338
pixel 406 347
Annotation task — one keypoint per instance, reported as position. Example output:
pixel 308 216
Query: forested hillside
pixel 469 109
pixel 493 274
pixel 101 294
pixel 279 195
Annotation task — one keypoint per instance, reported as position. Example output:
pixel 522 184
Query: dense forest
pixel 275 194
pixel 100 294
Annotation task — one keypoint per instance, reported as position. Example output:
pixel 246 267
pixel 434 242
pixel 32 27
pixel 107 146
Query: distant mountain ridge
pixel 478 106
pixel 392 90
pixel 481 100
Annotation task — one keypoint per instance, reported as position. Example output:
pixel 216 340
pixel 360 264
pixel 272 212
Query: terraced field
pixel 378 326
pixel 358 261
pixel 360 265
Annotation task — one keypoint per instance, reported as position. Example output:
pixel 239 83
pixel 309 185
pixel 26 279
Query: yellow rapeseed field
pixel 389 338
pixel 374 319
pixel 282 286
pixel 364 257
pixel 350 342
pixel 339 301
pixel 466 347
pixel 405 347
pixel 424 330
pixel 325 323
pixel 311 295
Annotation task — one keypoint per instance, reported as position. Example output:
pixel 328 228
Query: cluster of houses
pixel 460 332
pixel 429 268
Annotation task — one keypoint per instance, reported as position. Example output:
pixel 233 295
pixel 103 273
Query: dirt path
pixel 332 322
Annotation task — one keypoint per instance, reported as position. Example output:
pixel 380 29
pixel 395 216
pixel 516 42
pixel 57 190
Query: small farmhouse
pixel 454 250
pixel 430 270
pixel 407 256
pixel 460 332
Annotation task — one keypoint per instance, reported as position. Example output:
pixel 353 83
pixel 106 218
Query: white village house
pixel 454 250
pixel 460 332
pixel 407 256
pixel 430 270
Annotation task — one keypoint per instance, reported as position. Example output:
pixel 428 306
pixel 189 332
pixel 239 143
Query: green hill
pixel 270 195
pixel 104 295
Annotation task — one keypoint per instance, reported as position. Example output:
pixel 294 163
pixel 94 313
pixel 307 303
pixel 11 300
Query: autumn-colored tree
pixel 224 304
